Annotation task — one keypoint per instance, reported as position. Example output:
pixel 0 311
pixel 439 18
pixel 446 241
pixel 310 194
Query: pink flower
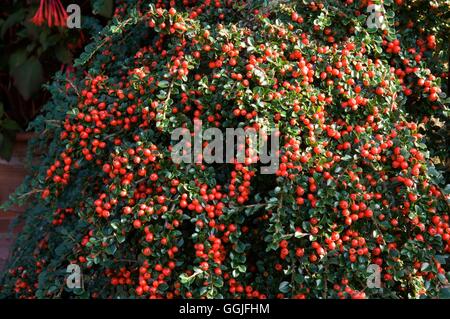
pixel 51 12
pixel 38 18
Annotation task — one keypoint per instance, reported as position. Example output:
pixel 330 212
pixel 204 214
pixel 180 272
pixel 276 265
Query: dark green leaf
pixel 17 58
pixel 6 148
pixel 28 77
pixel 103 7
pixel 284 287
pixel 63 54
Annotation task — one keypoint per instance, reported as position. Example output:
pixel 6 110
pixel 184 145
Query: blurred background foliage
pixel 30 54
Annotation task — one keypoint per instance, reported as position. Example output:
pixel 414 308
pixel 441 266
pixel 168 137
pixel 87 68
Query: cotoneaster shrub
pixel 355 185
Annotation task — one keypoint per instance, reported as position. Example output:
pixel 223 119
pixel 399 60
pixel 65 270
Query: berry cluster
pixel 354 186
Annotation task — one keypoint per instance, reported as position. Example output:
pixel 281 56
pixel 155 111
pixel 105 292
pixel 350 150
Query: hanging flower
pixel 51 12
pixel 38 18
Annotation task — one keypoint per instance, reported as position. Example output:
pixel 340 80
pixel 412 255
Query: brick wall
pixel 11 175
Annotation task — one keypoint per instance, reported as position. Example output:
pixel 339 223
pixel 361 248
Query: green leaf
pixel 242 268
pixel 28 77
pixel 442 279
pixel 163 84
pixel 298 234
pixel 425 267
pixel 346 157
pixel 10 125
pixel 444 293
pixel 17 58
pixel 163 287
pixel 218 282
pixel 120 238
pixel 14 18
pixel 162 95
pixel 284 287
pixel 111 249
pixel 63 54
pixel 6 148
pixel 103 8
pixel 115 225
pixel 441 259
pixel 186 280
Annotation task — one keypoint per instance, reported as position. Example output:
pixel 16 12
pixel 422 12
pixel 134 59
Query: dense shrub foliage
pixel 355 185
